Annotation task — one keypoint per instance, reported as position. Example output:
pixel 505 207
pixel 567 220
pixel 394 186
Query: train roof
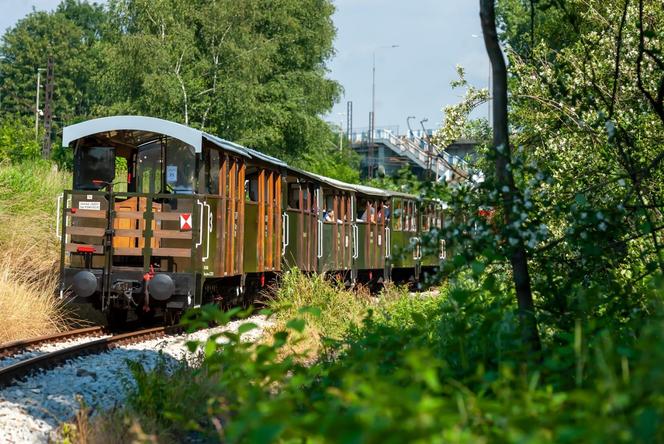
pixel 142 129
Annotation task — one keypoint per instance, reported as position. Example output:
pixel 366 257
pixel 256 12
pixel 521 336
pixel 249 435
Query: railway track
pixel 12 348
pixel 52 359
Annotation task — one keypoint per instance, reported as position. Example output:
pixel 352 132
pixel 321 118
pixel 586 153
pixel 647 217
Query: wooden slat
pixel 99 249
pixel 278 228
pixel 239 266
pixel 222 237
pixel 128 251
pixel 233 194
pixel 173 252
pixel 126 232
pixel 335 232
pixel 89 214
pixel 86 231
pixel 171 234
pixel 126 214
pixel 165 215
pixel 342 213
pixel 260 219
pixel 270 221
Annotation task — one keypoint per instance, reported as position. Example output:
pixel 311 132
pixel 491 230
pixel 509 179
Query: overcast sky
pixel 411 80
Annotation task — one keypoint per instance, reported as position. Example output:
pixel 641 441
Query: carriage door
pixel 268 220
pixel 300 226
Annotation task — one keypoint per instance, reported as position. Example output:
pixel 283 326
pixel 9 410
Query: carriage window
pixel 149 168
pixel 251 189
pixel 413 216
pixel 93 164
pixel 212 167
pixel 398 215
pixel 180 166
pixel 294 196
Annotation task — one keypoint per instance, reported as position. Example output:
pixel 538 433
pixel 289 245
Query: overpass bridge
pixel 390 152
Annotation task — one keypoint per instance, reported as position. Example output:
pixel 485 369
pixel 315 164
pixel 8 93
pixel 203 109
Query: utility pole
pixel 48 108
pixel 372 115
pixel 349 121
pixel 39 71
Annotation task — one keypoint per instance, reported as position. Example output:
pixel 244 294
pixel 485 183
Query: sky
pixel 433 36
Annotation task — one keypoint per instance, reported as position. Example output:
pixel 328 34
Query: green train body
pixel 199 219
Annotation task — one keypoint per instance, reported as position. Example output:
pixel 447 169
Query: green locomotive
pixel 163 217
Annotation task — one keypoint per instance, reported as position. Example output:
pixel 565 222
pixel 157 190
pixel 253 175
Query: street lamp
pixel 410 130
pixel 372 120
pixel 341 129
pixel 39 71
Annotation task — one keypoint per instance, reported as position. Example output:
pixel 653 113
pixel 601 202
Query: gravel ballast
pixel 31 409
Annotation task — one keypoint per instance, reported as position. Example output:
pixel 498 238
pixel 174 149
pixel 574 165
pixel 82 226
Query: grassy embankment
pixel 402 369
pixel 29 250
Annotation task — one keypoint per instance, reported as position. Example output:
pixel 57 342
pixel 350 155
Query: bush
pixel 17 139
pixel 418 369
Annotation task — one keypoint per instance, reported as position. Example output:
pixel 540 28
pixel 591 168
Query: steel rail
pixel 15 347
pixel 55 358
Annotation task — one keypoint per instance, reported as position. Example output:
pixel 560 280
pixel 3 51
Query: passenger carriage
pixel 163 217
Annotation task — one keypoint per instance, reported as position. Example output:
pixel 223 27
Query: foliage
pixel 252 72
pixel 423 369
pixel 17 140
pixel 69 35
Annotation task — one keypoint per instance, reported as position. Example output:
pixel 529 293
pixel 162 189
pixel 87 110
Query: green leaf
pixel 296 324
pixel 248 326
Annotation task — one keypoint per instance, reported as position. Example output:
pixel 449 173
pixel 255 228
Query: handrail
pixel 388 243
pixel 356 241
pixel 285 232
pixel 59 201
pixel 443 250
pixel 320 239
pixel 200 225
pixel 209 231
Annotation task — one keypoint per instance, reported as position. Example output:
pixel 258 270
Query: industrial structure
pixel 384 152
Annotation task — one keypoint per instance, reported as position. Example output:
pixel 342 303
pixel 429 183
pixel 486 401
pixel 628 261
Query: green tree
pixel 69 35
pixel 251 71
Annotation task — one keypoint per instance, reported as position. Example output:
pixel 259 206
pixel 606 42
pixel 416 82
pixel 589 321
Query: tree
pixel 511 196
pixel 26 48
pixel 251 71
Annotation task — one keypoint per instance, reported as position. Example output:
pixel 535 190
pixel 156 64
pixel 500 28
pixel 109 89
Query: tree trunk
pixel 504 178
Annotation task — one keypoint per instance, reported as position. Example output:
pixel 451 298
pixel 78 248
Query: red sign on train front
pixel 185 222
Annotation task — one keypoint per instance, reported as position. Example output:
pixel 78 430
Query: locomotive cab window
pixel 166 165
pixel 93 167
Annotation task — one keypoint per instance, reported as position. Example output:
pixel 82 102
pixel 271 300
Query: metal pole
pixel 37 104
pixel 349 121
pixel 372 119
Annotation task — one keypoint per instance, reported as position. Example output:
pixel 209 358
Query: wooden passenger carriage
pixel 165 217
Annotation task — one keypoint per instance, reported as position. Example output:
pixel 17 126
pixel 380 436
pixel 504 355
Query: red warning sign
pixel 185 222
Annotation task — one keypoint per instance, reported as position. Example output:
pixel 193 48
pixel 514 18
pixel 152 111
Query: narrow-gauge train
pixel 164 217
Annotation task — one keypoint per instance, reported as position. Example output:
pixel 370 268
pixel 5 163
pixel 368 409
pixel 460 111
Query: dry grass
pixel 29 251
pixel 29 306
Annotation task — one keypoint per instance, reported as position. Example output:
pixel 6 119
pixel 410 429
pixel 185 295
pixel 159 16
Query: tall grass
pixel 29 250
pixel 328 308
